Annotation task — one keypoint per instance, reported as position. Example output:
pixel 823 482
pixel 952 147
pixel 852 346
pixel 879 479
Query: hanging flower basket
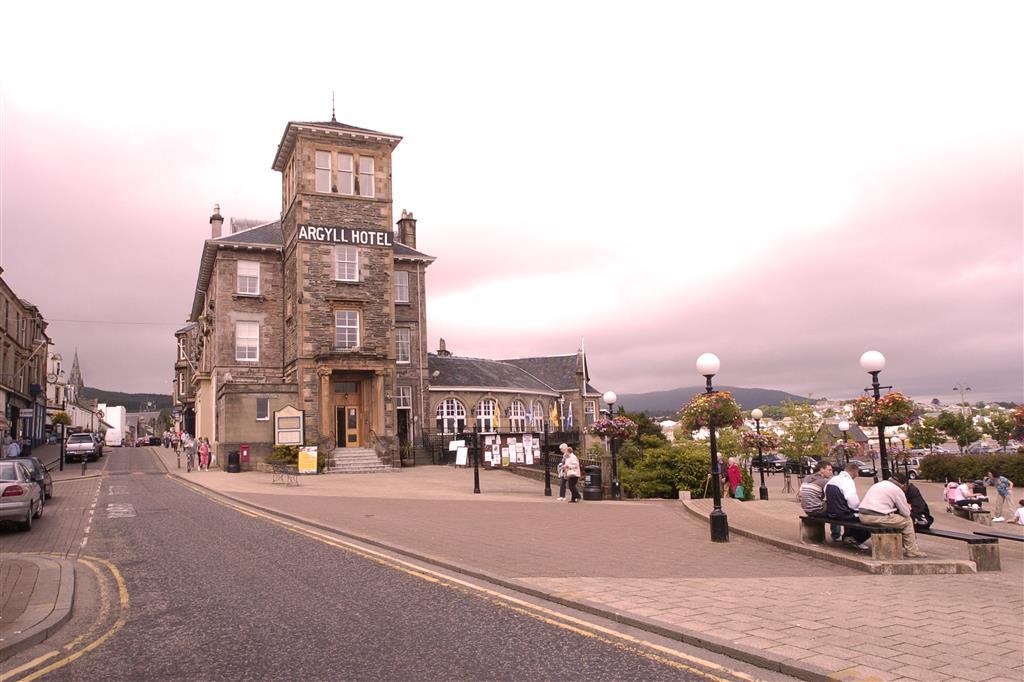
pixel 892 409
pixel 844 451
pixel 769 441
pixel 619 427
pixel 1018 417
pixel 705 407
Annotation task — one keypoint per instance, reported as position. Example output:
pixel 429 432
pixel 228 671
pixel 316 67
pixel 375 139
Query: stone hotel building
pixel 321 314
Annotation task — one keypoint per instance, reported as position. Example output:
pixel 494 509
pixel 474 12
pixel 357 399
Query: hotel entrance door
pixel 347 412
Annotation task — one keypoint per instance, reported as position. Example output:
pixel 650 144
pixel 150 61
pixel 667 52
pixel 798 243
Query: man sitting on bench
pixel 841 503
pixel 885 505
pixel 812 494
pixel 965 495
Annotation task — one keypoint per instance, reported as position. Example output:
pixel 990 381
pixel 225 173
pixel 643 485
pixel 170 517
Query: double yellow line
pixel 105 607
pixel 622 641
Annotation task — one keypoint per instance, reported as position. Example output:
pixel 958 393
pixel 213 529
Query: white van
pixel 113 439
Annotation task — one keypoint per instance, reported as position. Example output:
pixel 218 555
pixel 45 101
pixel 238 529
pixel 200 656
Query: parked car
pixel 911 466
pixel 21 498
pixel 980 448
pixel 773 463
pixel 155 440
pixel 81 446
pixel 39 474
pixel 864 468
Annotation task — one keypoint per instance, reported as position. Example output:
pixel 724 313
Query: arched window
pixel 485 415
pixel 538 416
pixel 517 416
pixel 451 416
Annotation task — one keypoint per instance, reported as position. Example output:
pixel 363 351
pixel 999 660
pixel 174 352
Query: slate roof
pixel 476 372
pixel 188 327
pixel 832 430
pixel 341 126
pixel 268 233
pixel 557 371
pixel 403 251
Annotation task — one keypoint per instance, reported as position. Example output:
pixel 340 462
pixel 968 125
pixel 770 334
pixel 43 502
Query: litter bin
pixel 233 463
pixel 592 483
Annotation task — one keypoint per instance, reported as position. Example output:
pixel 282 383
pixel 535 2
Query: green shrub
pixel 748 484
pixel 285 454
pixel 663 472
pixel 963 467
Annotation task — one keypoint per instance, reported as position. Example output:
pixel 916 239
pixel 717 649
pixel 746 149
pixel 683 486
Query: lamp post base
pixel 719 526
pixel 763 492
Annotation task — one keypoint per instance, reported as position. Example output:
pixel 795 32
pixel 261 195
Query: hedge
pixel 973 467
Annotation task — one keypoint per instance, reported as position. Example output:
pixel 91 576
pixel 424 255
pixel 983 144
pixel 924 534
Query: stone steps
pixel 356 461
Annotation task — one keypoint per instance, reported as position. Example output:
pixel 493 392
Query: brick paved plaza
pixel 652 562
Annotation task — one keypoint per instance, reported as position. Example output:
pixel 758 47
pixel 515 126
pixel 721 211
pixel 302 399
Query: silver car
pixel 21 498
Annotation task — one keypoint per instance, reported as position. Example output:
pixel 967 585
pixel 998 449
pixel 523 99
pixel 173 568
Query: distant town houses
pixel 23 351
pixel 317 320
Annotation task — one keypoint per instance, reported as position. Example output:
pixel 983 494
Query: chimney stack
pixel 216 221
pixel 442 351
pixel 407 229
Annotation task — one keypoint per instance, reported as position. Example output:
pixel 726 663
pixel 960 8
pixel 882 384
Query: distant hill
pixel 133 402
pixel 668 402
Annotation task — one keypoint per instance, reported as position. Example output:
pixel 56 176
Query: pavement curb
pixel 29 629
pixel 791 667
pixel 866 565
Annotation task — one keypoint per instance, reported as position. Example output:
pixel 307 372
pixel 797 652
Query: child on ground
pixel 1019 514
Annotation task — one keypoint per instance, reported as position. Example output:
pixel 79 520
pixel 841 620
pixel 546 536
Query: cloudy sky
pixel 783 184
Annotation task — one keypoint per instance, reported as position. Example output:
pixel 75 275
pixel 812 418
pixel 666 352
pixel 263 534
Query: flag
pixel 554 415
pixel 497 418
pixel 568 419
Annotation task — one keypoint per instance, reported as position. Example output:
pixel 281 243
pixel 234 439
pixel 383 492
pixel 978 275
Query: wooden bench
pixel 886 543
pixel 982 516
pixel 984 552
pixel 1000 536
pixel 284 473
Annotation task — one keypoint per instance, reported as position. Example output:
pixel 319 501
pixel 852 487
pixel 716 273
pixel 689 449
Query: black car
pixel 863 468
pixel 773 463
pixel 39 474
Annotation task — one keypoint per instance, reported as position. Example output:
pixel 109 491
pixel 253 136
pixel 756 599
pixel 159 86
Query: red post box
pixel 244 450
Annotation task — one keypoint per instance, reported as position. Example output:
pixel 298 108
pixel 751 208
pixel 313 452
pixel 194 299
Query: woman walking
pixel 572 473
pixel 204 454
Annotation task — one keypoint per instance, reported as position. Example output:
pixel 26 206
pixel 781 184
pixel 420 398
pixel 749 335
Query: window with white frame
pixel 403 397
pixel 366 176
pixel 485 411
pixel 248 277
pixel 346 263
pixel 323 171
pixel 589 412
pixel 451 416
pixel 403 346
pixel 517 416
pixel 181 349
pixel 401 286
pixel 247 341
pixel 262 409
pixel 345 182
pixel 181 383
pixel 538 416
pixel 346 329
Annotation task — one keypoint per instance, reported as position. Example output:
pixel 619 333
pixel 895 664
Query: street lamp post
pixel 757 414
pixel 547 464
pixel 708 366
pixel 903 451
pixel 473 443
pixel 844 427
pixel 609 399
pixel 873 363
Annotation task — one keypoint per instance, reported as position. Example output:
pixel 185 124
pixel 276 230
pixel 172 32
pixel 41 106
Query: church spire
pixel 76 374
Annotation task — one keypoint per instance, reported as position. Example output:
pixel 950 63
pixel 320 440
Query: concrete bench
pixel 983 551
pixel 982 516
pixel 1000 536
pixel 886 543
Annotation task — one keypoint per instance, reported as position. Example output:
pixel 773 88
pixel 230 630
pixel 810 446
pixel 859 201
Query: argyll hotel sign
pixel 351 236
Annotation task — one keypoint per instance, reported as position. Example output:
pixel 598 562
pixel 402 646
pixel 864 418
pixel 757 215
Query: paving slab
pixel 36 598
pixel 651 564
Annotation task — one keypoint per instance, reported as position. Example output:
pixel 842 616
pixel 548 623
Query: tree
pixel 773 411
pixel 925 434
pixel 1000 426
pixel 645 426
pixel 959 427
pixel 935 401
pixel 801 433
pixel 61 418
